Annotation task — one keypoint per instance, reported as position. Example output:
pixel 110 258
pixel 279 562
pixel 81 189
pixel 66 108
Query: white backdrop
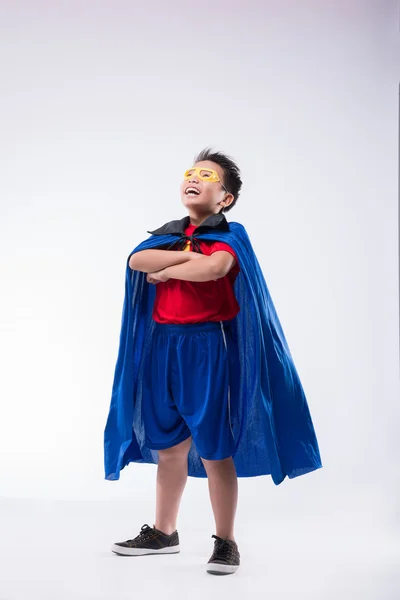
pixel 103 106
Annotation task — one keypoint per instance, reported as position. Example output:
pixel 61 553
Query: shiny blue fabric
pixel 183 402
pixel 273 428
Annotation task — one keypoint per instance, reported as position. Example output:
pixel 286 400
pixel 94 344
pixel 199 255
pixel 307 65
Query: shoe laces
pixel 224 548
pixel 146 532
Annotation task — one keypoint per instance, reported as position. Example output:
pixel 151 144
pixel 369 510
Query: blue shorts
pixel 186 389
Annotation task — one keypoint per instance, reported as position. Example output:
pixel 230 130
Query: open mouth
pixel 191 191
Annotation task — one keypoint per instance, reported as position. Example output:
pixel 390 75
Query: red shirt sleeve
pixel 217 246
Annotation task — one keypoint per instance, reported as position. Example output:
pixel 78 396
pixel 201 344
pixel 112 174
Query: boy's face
pixel 210 195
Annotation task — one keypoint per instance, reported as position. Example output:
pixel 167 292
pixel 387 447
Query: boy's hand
pixel 160 276
pixel 157 277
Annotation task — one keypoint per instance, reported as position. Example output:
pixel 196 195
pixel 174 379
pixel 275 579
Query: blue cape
pixel 272 424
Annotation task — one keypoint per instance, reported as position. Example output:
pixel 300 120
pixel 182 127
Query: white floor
pixel 61 550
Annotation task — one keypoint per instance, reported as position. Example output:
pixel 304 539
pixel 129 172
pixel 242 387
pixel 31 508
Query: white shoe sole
pixel 217 569
pixel 143 551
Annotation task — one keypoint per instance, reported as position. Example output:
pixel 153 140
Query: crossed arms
pixel 189 266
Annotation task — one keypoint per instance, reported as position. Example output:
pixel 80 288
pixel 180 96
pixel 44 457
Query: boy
pixel 205 384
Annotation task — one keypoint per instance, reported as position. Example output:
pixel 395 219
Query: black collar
pixel 217 221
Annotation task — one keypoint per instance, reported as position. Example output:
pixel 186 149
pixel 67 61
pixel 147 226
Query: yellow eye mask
pixel 204 175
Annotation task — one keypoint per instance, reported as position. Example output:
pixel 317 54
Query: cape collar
pixel 177 227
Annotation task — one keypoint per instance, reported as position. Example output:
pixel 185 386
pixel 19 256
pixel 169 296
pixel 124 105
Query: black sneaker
pixel 149 541
pixel 225 559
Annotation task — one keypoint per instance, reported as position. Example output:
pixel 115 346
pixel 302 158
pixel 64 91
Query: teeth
pixel 192 191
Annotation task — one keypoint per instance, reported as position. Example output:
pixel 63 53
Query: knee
pixel 210 465
pixel 175 453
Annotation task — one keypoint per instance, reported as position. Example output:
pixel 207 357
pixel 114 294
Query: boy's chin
pixel 191 200
pixel 194 203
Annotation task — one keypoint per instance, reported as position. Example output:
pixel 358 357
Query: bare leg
pixel 172 472
pixel 223 488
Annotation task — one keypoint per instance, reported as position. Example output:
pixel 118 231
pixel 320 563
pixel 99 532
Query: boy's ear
pixel 231 197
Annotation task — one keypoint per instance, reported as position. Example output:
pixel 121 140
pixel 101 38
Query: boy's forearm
pixel 202 269
pixel 149 261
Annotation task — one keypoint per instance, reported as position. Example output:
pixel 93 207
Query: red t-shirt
pixel 179 301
